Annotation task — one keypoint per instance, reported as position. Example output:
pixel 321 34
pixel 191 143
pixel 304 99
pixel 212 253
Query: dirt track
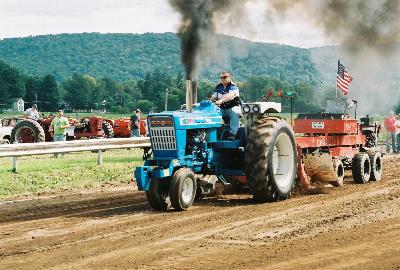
pixel 355 226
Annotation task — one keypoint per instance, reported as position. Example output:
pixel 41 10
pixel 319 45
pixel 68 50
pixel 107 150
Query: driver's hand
pixel 218 102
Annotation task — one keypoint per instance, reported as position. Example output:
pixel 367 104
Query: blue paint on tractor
pixel 188 139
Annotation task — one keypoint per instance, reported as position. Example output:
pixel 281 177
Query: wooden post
pixel 15 165
pixel 99 157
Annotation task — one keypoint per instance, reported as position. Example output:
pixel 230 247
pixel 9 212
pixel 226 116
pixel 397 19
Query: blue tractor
pixel 188 145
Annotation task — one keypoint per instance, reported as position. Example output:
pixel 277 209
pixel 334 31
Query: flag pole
pixel 336 92
pixel 337 79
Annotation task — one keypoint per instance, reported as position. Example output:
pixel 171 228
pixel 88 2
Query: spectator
pixel 226 96
pixel 59 126
pixel 397 123
pixel 32 113
pixel 390 127
pixel 135 120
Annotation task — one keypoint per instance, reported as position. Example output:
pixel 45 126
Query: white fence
pixel 95 145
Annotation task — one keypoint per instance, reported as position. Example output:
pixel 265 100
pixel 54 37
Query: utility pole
pixel 35 98
pixel 166 99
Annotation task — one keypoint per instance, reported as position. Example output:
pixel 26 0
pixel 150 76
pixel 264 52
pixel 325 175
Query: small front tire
pixel 182 190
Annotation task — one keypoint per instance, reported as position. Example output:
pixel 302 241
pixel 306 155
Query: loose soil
pixel 351 227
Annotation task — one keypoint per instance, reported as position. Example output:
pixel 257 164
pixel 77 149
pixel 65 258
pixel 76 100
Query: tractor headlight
pixel 256 108
pixel 246 108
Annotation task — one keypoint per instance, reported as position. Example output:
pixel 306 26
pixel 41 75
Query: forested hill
pixel 130 56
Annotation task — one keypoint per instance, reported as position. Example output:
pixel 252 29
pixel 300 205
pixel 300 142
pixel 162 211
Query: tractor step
pixel 227 144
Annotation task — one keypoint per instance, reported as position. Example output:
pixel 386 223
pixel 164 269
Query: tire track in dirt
pixel 194 237
pixel 117 230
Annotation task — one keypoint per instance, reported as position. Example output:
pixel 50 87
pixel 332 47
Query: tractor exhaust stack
pixel 189 96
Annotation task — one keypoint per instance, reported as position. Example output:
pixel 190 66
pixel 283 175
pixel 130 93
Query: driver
pixel 226 96
pixel 32 113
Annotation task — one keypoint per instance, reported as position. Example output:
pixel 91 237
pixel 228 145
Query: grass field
pixel 42 174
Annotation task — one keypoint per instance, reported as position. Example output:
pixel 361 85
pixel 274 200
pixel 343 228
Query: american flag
pixel 343 79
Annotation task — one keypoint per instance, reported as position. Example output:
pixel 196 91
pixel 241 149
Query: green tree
pixel 49 94
pixel 79 91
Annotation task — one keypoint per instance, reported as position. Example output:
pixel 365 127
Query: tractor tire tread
pixel 260 137
pixel 358 168
pixel 33 125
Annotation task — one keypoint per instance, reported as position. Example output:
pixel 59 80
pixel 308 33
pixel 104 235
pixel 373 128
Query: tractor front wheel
pixel 361 168
pixel 270 160
pixel 182 189
pixel 157 195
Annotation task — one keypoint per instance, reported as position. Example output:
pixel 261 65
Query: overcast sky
pixel 21 18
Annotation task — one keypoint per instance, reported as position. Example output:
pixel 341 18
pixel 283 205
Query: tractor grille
pixel 163 138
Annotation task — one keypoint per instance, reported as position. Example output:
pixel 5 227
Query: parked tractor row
pixel 267 158
pixel 30 131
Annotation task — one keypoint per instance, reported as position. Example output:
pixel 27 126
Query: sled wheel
pixel 376 165
pixel 361 168
pixel 339 168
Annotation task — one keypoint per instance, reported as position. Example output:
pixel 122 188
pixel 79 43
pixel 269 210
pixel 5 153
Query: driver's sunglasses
pixel 224 77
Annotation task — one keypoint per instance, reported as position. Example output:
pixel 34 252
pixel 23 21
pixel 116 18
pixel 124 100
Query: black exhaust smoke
pixel 197 30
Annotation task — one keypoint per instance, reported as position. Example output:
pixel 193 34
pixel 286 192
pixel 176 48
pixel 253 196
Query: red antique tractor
pixel 330 142
pixel 29 131
pixel 123 127
pixel 90 127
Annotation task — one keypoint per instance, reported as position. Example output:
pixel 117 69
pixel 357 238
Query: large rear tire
pixel 361 168
pixel 183 189
pixel 270 159
pixel 27 131
pixel 158 196
pixel 376 165
pixel 108 130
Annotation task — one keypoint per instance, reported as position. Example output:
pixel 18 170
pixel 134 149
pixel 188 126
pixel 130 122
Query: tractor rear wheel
pixel 108 130
pixel 270 159
pixel 182 189
pixel 376 165
pixel 158 196
pixel 27 131
pixel 361 168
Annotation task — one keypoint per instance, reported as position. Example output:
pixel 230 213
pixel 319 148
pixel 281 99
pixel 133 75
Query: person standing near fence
pixel 59 125
pixel 135 119
pixel 397 124
pixel 390 126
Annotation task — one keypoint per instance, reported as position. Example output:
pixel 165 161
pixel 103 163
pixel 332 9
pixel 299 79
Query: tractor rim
pixel 187 190
pixel 283 164
pixel 25 135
